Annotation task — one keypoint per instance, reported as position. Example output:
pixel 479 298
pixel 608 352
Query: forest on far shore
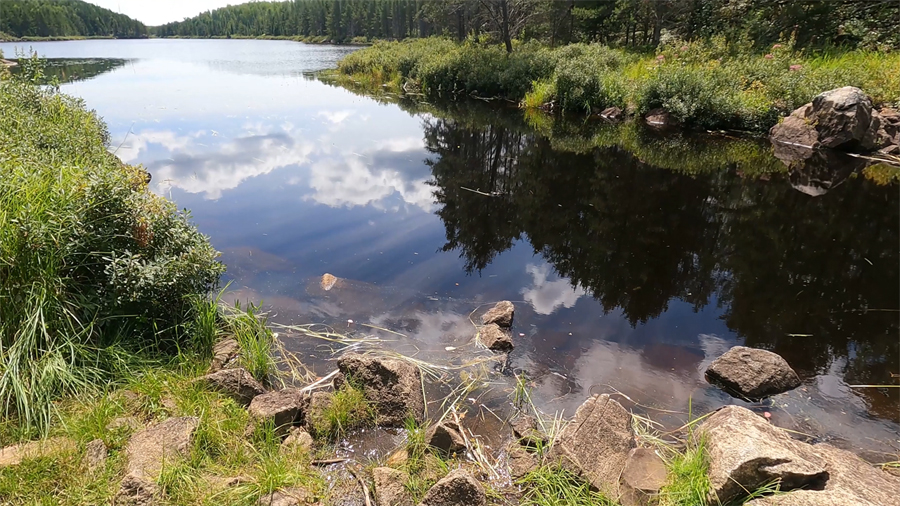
pixel 65 18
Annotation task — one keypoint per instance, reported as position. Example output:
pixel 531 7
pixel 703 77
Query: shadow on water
pixel 73 70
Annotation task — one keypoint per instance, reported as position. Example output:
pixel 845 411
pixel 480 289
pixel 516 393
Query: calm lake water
pixel 634 258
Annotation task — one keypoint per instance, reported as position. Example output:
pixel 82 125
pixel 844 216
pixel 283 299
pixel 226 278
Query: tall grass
pixel 94 269
pixel 704 84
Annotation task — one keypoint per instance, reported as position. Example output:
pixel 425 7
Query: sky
pixel 157 12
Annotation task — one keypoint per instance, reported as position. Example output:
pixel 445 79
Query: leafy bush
pixel 91 262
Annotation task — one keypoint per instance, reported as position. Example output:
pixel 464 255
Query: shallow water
pixel 634 257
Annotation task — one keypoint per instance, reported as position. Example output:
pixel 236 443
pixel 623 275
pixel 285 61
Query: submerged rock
pixel 842 118
pixel 237 383
pixel 393 386
pixel 446 437
pixel 643 477
pixel 282 408
pixel 158 444
pixel 390 487
pixel 851 482
pixel 502 314
pixel 746 452
pixel 595 445
pixel 458 488
pixel 495 338
pixel 751 373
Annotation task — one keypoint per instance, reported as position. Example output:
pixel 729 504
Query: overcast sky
pixel 157 12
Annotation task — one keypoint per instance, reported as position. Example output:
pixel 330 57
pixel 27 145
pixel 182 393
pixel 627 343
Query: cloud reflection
pixel 546 296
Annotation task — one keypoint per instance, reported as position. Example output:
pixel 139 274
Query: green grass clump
pixel 248 326
pixel 688 483
pixel 554 486
pixel 423 468
pixel 349 409
pixel 94 268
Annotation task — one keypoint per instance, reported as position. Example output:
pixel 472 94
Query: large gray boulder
pixel 158 445
pixel 458 488
pixel 235 383
pixel 745 452
pixel 851 482
pixel 502 314
pixel 596 443
pixel 842 119
pixel 752 373
pixel 393 386
pixel 390 487
pixel 282 408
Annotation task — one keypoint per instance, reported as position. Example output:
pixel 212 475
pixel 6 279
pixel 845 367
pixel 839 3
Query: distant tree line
pixel 871 23
pixel 65 18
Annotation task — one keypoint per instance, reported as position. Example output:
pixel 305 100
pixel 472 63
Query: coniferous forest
pixel 65 18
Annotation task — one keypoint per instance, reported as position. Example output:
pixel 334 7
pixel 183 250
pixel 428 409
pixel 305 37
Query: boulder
pixel 644 475
pixel 15 454
pixel 224 353
pixel 595 445
pixel 458 488
pixel 842 118
pixel 390 487
pixel 297 439
pixel 612 113
pixel 293 496
pixel 149 449
pixel 137 490
pixel 815 172
pixel 446 437
pixel 502 314
pixel 851 482
pixel 282 408
pixel 746 452
pixel 658 117
pixel 495 338
pixel 521 461
pixel 95 454
pixel 393 386
pixel 751 373
pixel 525 430
pixel 236 383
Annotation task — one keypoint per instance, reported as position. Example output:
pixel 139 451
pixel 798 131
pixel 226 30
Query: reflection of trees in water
pixel 635 236
pixel 70 70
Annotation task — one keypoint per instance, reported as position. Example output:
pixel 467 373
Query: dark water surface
pixel 634 258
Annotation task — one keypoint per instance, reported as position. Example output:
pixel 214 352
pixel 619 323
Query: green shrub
pixel 91 262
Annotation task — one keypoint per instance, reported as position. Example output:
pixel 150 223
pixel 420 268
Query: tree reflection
pixel 792 272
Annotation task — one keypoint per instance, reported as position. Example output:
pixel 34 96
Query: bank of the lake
pixel 705 84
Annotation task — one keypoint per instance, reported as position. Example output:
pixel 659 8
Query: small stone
pixel 149 449
pixel 298 439
pixel 502 314
pixel 658 117
pixel 495 338
pixel 751 373
pixel 224 353
pixel 458 488
pixel 525 430
pixel 319 402
pixel 393 386
pixel 281 408
pixel 446 438
pixel 521 461
pixel 95 454
pixel 643 477
pixel 398 458
pixel 137 491
pixel 236 383
pixel 390 487
pixel 293 496
pixel 612 113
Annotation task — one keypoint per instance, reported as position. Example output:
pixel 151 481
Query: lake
pixel 634 257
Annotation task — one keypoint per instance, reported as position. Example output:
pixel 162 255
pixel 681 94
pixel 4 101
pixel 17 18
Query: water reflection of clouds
pixel 546 296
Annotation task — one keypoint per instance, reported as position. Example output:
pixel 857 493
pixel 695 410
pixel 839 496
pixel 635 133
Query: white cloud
pixel 157 12
pixel 545 296
pixel 351 182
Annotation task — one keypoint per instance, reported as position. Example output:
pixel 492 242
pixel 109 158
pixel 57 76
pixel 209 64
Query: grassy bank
pixel 97 274
pixel 711 84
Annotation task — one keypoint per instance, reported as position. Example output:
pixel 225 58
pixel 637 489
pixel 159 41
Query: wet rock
pixel 458 488
pixel 842 118
pixel 137 490
pixel 235 383
pixel 890 131
pixel 644 475
pixel 297 439
pixel 150 448
pixel 495 338
pixel 502 314
pixel 294 496
pixel 393 386
pixel 815 172
pixel 224 353
pixel 612 113
pixel 595 445
pixel 525 430
pixel 15 454
pixel 281 408
pixel 746 452
pixel 751 373
pixel 390 487
pixel 446 437
pixel 521 461
pixel 851 482
pixel 658 117
pixel 95 454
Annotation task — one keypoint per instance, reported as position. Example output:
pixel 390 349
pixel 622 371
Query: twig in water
pixel 361 484
pixel 327 462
